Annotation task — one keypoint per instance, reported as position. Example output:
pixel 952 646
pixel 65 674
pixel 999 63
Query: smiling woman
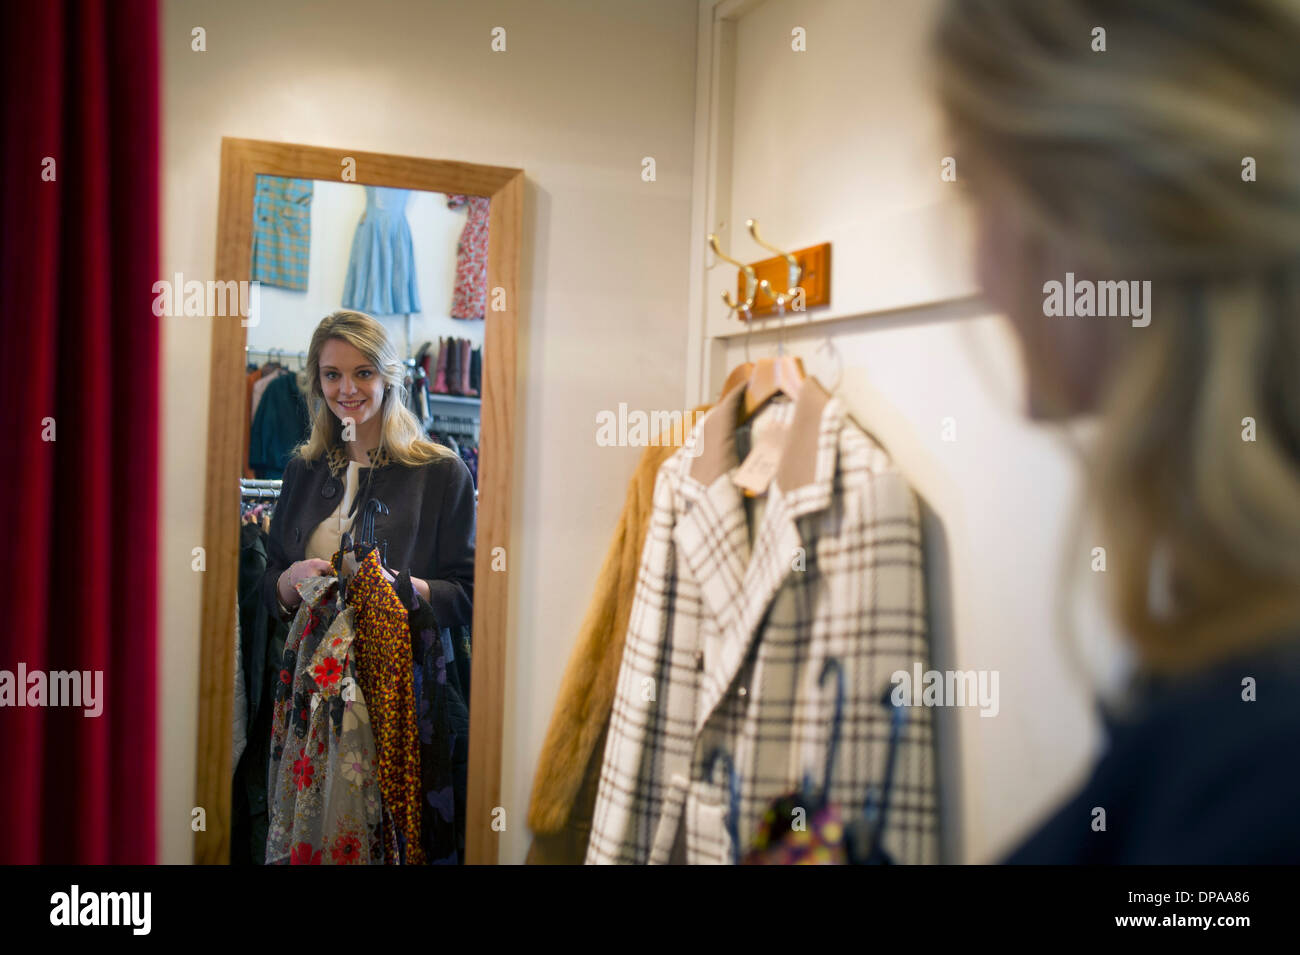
pixel 363 437
pixel 391 715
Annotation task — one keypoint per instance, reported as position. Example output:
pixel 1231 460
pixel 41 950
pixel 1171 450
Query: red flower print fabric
pixel 323 784
pixel 469 298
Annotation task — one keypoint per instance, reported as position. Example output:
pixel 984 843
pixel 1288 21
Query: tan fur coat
pixel 568 770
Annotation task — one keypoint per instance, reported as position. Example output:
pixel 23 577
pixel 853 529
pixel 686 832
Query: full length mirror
pixel 357 524
pixel 360 720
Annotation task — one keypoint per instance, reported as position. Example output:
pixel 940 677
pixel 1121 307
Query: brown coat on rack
pixel 568 769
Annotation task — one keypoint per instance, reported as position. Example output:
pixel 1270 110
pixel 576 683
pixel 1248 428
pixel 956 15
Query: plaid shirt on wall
pixel 282 232
pixel 724 647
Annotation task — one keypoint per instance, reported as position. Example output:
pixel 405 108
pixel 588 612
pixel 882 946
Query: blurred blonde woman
pixel 365 445
pixel 1170 156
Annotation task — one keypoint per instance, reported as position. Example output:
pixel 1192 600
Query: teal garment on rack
pixel 282 232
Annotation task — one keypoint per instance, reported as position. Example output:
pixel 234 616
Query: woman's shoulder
pixel 438 463
pixel 1199 772
pixel 299 469
pixel 1249 692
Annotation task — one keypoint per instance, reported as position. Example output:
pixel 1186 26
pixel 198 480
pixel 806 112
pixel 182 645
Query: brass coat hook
pixel 751 280
pixel 792 264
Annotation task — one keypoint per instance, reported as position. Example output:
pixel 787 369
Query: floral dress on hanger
pixel 323 794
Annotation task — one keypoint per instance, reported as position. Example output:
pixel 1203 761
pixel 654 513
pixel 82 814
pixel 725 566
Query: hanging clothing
pixel 422 359
pixel 469 298
pixel 259 389
pixel 282 232
pixel 803 828
pixel 325 539
pixel 251 378
pixel 262 639
pixel 324 800
pixel 442 712
pixel 239 741
pixel 384 664
pixel 257 626
pixel 568 768
pixel 417 395
pixel 280 426
pixel 381 271
pixel 469 455
pixel 819 842
pixel 250 381
pixel 421 379
pixel 732 638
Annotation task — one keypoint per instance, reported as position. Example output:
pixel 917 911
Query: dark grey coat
pixel 429 526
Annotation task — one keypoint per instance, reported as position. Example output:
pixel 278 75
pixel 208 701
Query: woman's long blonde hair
pixel 400 435
pixel 1172 155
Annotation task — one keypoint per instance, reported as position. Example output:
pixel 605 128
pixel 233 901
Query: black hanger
pixel 363 544
pixel 345 544
pixel 367 541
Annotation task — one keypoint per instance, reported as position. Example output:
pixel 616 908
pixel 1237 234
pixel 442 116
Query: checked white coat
pixel 725 646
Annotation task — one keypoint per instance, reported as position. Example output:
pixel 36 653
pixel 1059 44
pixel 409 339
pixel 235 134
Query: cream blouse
pixel 324 540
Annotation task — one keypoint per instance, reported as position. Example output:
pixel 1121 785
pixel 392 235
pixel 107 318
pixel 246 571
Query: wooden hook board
pixel 815 279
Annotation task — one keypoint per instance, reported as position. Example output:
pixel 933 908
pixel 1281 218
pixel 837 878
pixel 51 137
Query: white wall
pixel 857 163
pixel 581 95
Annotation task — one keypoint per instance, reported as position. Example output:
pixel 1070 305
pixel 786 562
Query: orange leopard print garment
pixel 384 669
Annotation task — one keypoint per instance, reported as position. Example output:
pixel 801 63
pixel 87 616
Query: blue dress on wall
pixel 381 271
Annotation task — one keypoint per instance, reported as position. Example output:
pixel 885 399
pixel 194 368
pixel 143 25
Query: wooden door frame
pixel 242 161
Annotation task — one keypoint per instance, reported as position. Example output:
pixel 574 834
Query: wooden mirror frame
pixel 242 161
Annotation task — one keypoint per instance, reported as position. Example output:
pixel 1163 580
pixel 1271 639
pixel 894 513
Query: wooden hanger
pixel 767 377
pixel 770 377
pixel 783 374
pixel 738 374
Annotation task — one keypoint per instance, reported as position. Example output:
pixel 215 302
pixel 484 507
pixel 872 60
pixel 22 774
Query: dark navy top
pixel 1194 774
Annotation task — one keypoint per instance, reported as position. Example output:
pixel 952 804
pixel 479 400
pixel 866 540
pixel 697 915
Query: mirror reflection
pixel 358 506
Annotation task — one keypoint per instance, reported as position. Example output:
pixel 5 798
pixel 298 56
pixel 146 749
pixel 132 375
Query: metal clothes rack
pixel 455 425
pixel 251 489
pixel 276 354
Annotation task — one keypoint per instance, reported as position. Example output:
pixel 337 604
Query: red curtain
pixel 79 253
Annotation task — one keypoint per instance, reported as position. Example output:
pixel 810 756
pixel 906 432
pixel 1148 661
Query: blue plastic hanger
pixel 869 830
pixel 733 799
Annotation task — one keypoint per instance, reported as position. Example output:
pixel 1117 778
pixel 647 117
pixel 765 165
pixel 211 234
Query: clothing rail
pixel 454 424
pixel 252 489
pixel 276 354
